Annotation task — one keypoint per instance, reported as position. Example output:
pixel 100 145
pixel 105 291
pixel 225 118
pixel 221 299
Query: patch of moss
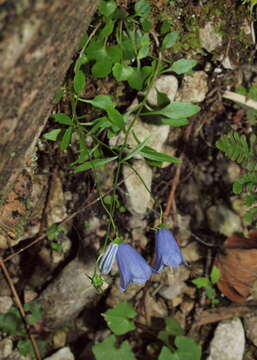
pixel 228 17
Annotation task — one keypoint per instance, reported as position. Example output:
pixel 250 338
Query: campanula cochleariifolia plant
pixel 167 251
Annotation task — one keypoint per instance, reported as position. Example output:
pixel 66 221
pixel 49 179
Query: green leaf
pixel 34 311
pixel 253 3
pixel 128 50
pixel 139 75
pixel 136 80
pixel 65 142
pixel 108 199
pixel 107 350
pixel 94 164
pixel 169 40
pixel 136 150
pixel 122 72
pixel 79 82
pixel 251 115
pixel 165 26
pixel 63 119
pixel 210 292
pixel 175 123
pixel 115 116
pixel 115 53
pixel 53 231
pixel 146 25
pixel 253 91
pixel 79 62
pixel 166 354
pixel 118 318
pixel 107 29
pixel 172 328
pixel 241 90
pixel 58 96
pixel 103 102
pixel 236 147
pixel 142 8
pixel 143 47
pixel 215 275
pixel 162 99
pixel 201 282
pixel 107 8
pixel 11 323
pixel 102 68
pixel 176 110
pixel 96 50
pixel 250 199
pixel 187 348
pixel 149 153
pixel 25 348
pixel 183 66
pixel 56 247
pixel 52 135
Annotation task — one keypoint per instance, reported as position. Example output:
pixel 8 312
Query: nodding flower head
pixel 108 258
pixel 132 266
pixel 167 251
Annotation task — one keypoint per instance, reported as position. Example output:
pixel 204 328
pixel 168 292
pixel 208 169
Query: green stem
pixel 124 145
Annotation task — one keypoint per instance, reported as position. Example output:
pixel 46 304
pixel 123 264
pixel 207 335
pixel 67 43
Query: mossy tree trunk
pixel 37 43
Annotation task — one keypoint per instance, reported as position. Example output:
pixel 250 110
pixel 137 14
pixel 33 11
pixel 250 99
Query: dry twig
pixel 225 313
pixel 171 204
pixel 241 99
pixel 20 307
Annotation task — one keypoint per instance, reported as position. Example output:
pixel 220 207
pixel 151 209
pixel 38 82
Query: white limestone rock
pixel 209 38
pixel 167 84
pixel 228 342
pixel 194 87
pixel 62 354
pixel 138 198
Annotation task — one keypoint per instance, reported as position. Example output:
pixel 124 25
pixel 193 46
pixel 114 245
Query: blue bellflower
pixel 167 251
pixel 132 266
pixel 108 258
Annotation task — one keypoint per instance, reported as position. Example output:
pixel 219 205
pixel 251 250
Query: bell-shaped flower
pixel 167 251
pixel 108 258
pixel 132 266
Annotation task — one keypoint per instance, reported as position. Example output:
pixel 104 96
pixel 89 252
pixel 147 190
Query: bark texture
pixel 37 42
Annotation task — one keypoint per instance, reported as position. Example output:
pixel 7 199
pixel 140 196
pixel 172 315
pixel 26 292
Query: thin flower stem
pixel 124 145
pixel 81 131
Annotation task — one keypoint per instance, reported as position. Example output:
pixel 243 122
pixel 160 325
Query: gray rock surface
pixel 69 293
pixel 62 354
pixel 5 303
pixel 209 38
pixel 194 87
pixel 224 221
pixel 174 282
pixel 6 347
pixel 167 84
pixel 228 342
pixel 138 198
pixel 250 324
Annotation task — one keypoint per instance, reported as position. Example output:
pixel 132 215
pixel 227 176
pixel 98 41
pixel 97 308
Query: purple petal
pixel 108 258
pixel 167 251
pixel 132 266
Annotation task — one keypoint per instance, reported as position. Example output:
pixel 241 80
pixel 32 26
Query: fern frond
pixel 251 215
pixel 249 181
pixel 250 200
pixel 237 148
